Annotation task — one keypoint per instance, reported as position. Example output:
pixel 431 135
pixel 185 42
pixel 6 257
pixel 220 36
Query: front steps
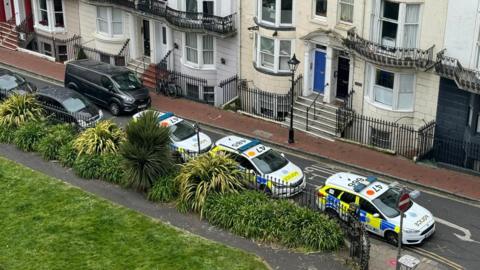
pixel 8 36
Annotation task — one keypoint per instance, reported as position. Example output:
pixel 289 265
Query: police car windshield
pixel 387 202
pixel 270 161
pixel 182 131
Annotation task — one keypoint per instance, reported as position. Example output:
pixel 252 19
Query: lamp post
pixel 292 64
pixel 196 127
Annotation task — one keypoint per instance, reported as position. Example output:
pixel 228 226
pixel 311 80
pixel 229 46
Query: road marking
pixel 467 235
pixel 435 257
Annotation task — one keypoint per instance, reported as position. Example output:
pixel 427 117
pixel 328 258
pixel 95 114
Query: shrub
pixel 88 166
pixel 6 134
pixel 204 175
pixel 164 189
pixel 104 138
pixel 111 168
pixel 253 215
pixel 67 154
pixel 19 109
pixel 27 136
pixel 56 137
pixel 146 151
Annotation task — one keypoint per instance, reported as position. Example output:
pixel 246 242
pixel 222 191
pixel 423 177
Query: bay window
pixel 199 50
pixel 346 10
pixel 397 24
pixel 272 54
pixel 49 15
pixel 390 90
pixel 275 12
pixel 109 21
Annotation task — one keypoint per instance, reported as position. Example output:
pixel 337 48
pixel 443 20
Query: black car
pixel 112 87
pixel 66 105
pixel 12 83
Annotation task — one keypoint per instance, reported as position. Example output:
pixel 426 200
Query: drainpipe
pixel 239 38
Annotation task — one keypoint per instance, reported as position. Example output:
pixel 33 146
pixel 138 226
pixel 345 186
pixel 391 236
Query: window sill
pixel 319 20
pixel 273 27
pixel 344 26
pixel 102 37
pixel 48 29
pixel 386 107
pixel 197 67
pixel 271 72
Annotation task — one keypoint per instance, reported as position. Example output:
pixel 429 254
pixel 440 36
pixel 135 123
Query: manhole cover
pixel 262 133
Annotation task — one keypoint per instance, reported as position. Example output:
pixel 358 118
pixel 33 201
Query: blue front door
pixel 319 72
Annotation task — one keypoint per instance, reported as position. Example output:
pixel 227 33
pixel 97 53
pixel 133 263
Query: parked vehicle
pixel 183 135
pixel 378 207
pixel 13 83
pixel 273 172
pixel 69 106
pixel 112 87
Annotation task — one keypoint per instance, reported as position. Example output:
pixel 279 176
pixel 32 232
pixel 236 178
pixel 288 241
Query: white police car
pixel 378 207
pixel 276 174
pixel 183 135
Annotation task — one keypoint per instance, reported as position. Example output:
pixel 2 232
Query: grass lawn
pixel 46 224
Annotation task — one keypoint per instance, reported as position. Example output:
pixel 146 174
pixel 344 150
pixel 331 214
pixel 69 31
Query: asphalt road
pixel 456 241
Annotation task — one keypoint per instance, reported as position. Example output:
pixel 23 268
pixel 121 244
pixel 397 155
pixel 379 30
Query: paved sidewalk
pixel 449 181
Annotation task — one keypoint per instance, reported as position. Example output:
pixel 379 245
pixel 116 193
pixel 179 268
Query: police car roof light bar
pixel 371 178
pixel 165 116
pixel 359 187
pixel 249 145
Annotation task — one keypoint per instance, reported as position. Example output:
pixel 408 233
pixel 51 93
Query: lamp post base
pixel 290 136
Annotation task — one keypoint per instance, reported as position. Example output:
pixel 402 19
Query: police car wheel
pixel 392 238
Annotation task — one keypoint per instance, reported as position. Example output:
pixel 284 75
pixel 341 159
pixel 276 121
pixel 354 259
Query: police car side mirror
pixel 414 194
pixel 376 215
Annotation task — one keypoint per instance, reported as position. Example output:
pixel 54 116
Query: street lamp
pixel 292 64
pixel 196 127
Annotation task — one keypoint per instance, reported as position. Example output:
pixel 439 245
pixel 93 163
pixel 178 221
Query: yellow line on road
pixel 435 257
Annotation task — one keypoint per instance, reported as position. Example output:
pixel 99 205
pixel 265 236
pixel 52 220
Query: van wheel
pixel 72 86
pixel 114 108
pixel 392 238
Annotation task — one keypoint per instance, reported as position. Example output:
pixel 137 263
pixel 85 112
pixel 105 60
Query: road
pixel 456 242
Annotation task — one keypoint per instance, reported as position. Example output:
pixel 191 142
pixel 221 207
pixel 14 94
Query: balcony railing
pixel 223 26
pixel 465 78
pixel 390 56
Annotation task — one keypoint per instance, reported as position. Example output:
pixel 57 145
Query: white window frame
pixel 377 18
pixel 276 53
pixel 314 12
pixel 50 15
pixel 110 22
pixel 341 3
pixel 199 6
pixel 477 128
pixel 278 14
pixel 370 82
pixel 200 51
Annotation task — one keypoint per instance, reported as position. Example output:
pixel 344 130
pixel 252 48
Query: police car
pixel 183 135
pixel 378 207
pixel 273 172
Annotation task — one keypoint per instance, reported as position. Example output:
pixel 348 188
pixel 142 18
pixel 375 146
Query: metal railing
pixel 390 56
pixel 449 67
pixel 229 89
pixel 314 104
pixel 454 152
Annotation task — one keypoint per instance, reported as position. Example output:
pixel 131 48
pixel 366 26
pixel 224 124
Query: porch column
pixel 307 72
pixel 328 93
pixel 153 39
pixel 18 8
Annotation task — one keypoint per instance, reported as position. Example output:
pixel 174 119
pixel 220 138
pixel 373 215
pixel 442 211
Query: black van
pixel 115 88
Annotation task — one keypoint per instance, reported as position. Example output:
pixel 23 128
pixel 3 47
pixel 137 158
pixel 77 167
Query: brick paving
pixel 453 182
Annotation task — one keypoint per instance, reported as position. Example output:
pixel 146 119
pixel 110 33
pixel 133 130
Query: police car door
pixel 370 216
pixel 346 198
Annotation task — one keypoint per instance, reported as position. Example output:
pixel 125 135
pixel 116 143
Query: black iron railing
pixel 314 105
pixel 449 67
pixel 458 153
pixel 390 56
pixel 229 89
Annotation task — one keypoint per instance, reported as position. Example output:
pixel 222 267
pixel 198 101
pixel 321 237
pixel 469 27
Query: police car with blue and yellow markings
pixel 273 172
pixel 377 204
pixel 183 135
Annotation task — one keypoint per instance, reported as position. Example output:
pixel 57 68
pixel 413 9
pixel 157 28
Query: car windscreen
pixel 9 82
pixel 181 131
pixel 270 161
pixel 387 202
pixel 75 104
pixel 127 81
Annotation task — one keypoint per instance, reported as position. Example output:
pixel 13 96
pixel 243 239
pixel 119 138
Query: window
pixel 368 207
pixel 276 12
pixel 208 8
pixel 192 91
pixel 321 8
pixel 109 21
pixel 273 54
pixel 398 24
pixel 49 14
pixel 209 94
pixel 104 58
pixel 347 198
pixel 379 138
pixel 478 124
pixel 191 6
pixel 392 90
pixel 62 53
pixel 334 192
pixel 346 10
pixel 199 49
pixel 164 35
pixel 47 48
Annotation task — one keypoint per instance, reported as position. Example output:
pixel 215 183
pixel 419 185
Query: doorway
pixel 343 75
pixel 146 37
pixel 319 72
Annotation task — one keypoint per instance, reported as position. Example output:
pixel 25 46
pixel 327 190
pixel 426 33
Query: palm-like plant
pixel 104 138
pixel 205 175
pixel 19 109
pixel 146 151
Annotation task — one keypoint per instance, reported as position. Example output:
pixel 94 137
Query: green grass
pixel 46 224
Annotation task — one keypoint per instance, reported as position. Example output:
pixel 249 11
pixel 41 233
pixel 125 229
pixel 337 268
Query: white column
pixel 327 94
pixel 153 38
pixel 133 36
pixel 17 7
pixel 307 72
